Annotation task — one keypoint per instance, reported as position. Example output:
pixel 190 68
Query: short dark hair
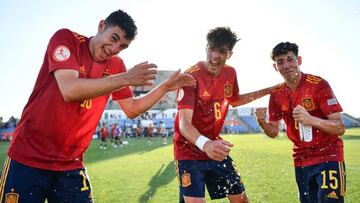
pixel 283 48
pixel 221 36
pixel 124 21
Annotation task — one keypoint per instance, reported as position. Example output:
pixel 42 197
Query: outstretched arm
pixel 215 149
pixel 271 128
pixel 136 106
pixel 74 88
pixel 252 96
pixel 332 125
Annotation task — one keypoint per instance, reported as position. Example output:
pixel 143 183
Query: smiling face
pixel 288 66
pixel 216 58
pixel 109 41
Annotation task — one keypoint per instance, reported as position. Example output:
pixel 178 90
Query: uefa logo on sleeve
pixel 61 53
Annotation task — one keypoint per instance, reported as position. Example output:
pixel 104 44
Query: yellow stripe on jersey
pixel 79 37
pixel 279 88
pixel 313 79
pixel 193 69
pixel 3 177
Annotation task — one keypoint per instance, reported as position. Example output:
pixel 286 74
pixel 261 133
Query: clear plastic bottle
pixel 305 132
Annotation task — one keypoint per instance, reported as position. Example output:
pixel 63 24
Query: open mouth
pixel 104 54
pixel 214 63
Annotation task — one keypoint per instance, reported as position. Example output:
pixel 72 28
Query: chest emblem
pixel 106 72
pixel 82 70
pixel 284 108
pixel 205 94
pixel 308 104
pixel 228 90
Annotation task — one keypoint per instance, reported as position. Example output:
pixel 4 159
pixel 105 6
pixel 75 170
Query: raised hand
pixel 142 74
pixel 301 115
pixel 217 150
pixel 178 80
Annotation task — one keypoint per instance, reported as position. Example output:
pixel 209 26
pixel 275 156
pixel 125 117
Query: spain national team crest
pixel 308 104
pixel 11 197
pixel 228 90
pixel 185 180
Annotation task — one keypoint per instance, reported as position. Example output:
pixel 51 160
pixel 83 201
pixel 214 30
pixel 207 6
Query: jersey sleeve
pixel 326 98
pixel 118 66
pixel 61 51
pixel 275 113
pixel 186 98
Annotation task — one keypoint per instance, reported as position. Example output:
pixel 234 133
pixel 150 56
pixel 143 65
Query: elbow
pixel 273 136
pixel 272 133
pixel 130 114
pixel 68 97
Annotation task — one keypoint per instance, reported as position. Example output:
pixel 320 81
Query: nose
pixel 287 65
pixel 215 54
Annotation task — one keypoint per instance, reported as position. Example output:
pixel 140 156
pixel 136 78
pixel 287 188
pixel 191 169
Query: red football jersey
pixel 104 133
pixel 317 97
pixel 53 134
pixel 209 101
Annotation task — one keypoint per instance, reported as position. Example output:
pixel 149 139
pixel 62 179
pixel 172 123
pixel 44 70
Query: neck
pixel 294 82
pixel 92 47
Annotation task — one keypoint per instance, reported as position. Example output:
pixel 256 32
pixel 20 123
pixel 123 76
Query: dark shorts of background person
pixel 221 178
pixel 324 182
pixel 163 135
pixel 27 184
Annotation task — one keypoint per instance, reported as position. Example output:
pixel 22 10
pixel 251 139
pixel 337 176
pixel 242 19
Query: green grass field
pixel 144 172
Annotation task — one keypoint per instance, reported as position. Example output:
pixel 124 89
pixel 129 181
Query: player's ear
pixel 101 26
pixel 274 65
pixel 299 59
pixel 230 54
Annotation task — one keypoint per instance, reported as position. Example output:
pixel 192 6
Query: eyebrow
pixel 224 49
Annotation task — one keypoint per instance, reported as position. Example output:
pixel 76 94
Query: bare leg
pixel 194 199
pixel 240 198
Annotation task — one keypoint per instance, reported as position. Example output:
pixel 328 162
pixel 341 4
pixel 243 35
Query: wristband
pixel 200 142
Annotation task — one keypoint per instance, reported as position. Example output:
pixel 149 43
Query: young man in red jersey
pixel 104 133
pixel 78 74
pixel 312 116
pixel 202 156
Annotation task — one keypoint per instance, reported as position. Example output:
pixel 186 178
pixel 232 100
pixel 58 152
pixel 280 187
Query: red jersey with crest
pixel 317 97
pixel 53 134
pixel 209 101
